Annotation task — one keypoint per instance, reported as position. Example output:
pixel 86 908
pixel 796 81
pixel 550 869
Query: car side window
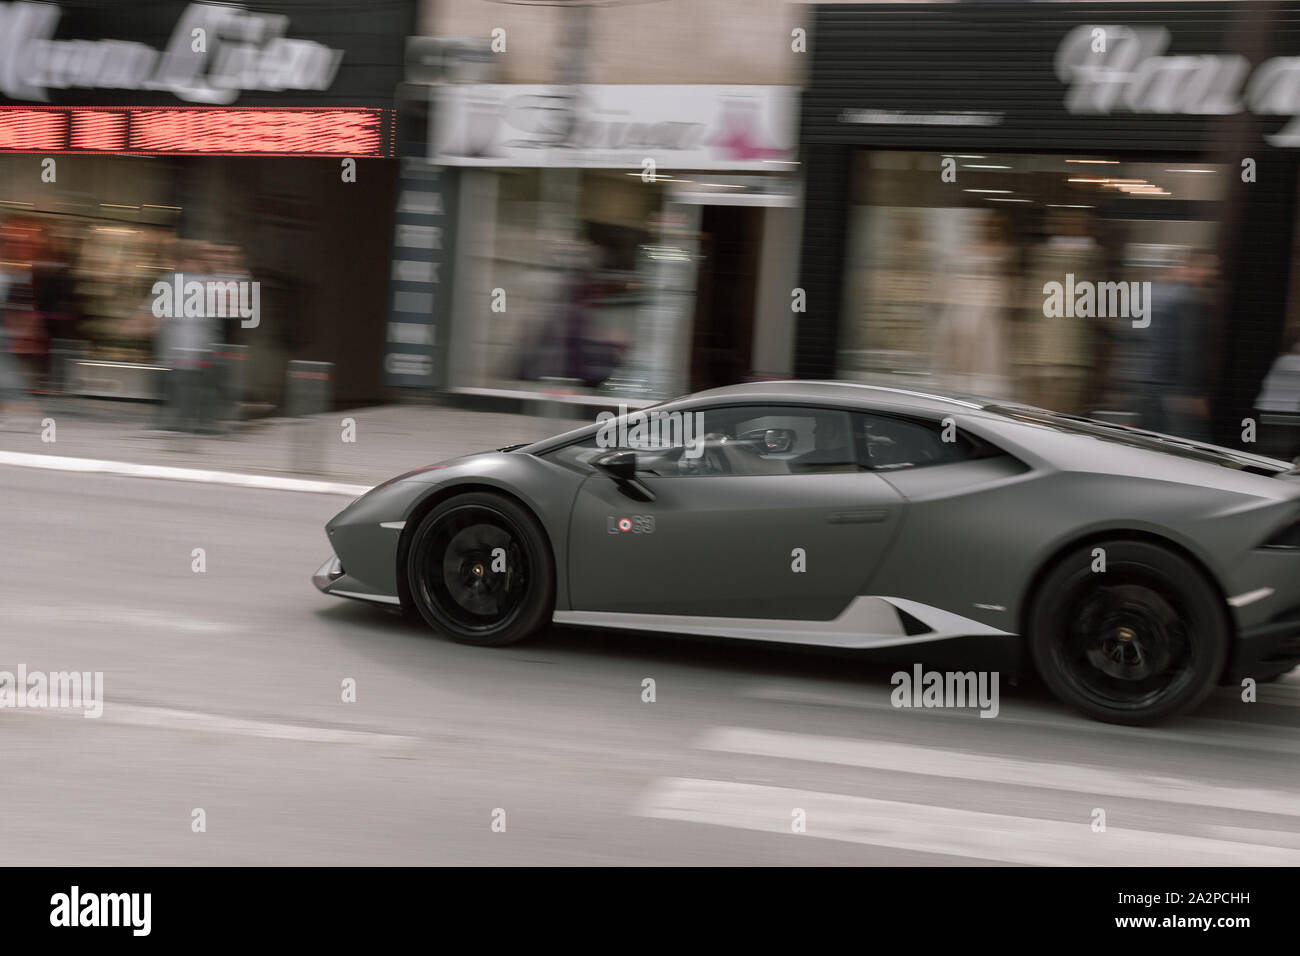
pixel 887 443
pixel 730 441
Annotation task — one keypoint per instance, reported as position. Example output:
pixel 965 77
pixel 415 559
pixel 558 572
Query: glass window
pixel 886 443
pixel 737 441
pixel 947 276
pixel 583 294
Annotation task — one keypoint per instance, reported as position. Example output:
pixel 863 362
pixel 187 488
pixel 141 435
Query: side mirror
pixel 778 440
pixel 621 466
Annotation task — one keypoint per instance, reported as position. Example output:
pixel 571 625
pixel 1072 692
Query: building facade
pixel 959 158
pixel 626 198
pixel 213 138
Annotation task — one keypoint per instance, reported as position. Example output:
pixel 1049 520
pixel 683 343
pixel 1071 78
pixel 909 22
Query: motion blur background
pixel 555 209
pixel 603 202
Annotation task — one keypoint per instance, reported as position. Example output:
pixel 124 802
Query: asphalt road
pixel 223 692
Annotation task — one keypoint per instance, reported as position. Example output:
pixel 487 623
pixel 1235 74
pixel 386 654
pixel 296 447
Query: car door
pixel 774 517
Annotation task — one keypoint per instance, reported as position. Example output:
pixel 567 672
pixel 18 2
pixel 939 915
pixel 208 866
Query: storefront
pixel 958 158
pixel 617 240
pixel 208 138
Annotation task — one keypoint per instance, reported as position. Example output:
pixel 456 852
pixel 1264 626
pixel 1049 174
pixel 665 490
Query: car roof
pixel 1008 417
pixel 805 392
pixel 855 394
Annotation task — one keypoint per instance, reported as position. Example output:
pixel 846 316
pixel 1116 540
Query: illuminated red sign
pixel 197 131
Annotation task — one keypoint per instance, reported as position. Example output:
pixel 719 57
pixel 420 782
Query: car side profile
pixel 1133 571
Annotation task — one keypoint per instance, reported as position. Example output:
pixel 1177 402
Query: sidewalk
pixel 389 440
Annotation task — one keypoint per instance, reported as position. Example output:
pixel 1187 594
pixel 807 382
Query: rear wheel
pixel 1143 640
pixel 479 570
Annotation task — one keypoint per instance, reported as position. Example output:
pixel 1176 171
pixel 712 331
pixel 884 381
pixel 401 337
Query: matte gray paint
pixel 721 548
pixel 963 535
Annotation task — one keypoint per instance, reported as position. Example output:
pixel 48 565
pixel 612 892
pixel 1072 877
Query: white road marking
pixel 1237 735
pixel 129 470
pixel 961 765
pixel 166 718
pixel 1284 838
pixel 119 617
pixel 943 830
pixel 215 723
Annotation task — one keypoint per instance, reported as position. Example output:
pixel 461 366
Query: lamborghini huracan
pixel 1132 570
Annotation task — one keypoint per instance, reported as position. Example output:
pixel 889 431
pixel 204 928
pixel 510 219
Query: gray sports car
pixel 1133 570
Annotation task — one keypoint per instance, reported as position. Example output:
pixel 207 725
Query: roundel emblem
pixel 624 524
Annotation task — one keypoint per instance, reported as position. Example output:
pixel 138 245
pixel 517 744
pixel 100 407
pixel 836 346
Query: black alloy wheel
pixel 1143 640
pixel 479 569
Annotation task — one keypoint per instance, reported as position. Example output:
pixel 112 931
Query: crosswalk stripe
pixel 172 473
pixel 1199 731
pixel 139 715
pixel 942 830
pixel 961 765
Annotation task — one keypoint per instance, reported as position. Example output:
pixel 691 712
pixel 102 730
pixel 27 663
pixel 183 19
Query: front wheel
pixel 479 570
pixel 1140 641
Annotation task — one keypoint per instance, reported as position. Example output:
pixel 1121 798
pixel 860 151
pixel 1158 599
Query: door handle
pixel 874 515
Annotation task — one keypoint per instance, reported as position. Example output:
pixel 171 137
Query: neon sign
pixel 197 131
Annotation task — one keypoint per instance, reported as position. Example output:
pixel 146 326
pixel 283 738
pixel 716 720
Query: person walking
pixel 1165 370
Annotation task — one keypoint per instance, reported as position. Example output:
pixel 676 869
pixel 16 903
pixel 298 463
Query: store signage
pixel 423 240
pixel 1110 69
pixel 216 52
pixel 615 126
pixel 197 131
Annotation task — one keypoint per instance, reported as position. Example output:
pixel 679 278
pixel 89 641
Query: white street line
pixel 168 719
pixel 118 617
pixel 215 723
pixel 1237 735
pixel 944 830
pixel 1284 838
pixel 129 470
pixel 960 765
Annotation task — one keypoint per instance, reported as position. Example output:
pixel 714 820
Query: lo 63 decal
pixel 630 524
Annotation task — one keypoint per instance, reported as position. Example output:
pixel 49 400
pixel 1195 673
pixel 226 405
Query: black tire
pixel 1140 642
pixel 464 587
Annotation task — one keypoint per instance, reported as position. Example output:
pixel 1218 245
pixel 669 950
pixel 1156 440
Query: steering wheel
pixel 713 461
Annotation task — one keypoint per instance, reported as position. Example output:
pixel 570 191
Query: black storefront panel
pixel 249 110
pixel 1217 82
pixel 1008 76
pixel 278 53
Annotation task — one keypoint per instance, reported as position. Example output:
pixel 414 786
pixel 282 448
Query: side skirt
pixel 867 623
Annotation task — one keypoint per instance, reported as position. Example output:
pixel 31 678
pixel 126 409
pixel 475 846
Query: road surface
pixel 224 694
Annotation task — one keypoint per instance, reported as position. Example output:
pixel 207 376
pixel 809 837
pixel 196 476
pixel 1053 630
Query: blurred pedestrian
pixel 54 296
pixel 15 299
pixel 970 350
pixel 1166 369
pixel 183 344
pixel 1055 355
pixel 1278 403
